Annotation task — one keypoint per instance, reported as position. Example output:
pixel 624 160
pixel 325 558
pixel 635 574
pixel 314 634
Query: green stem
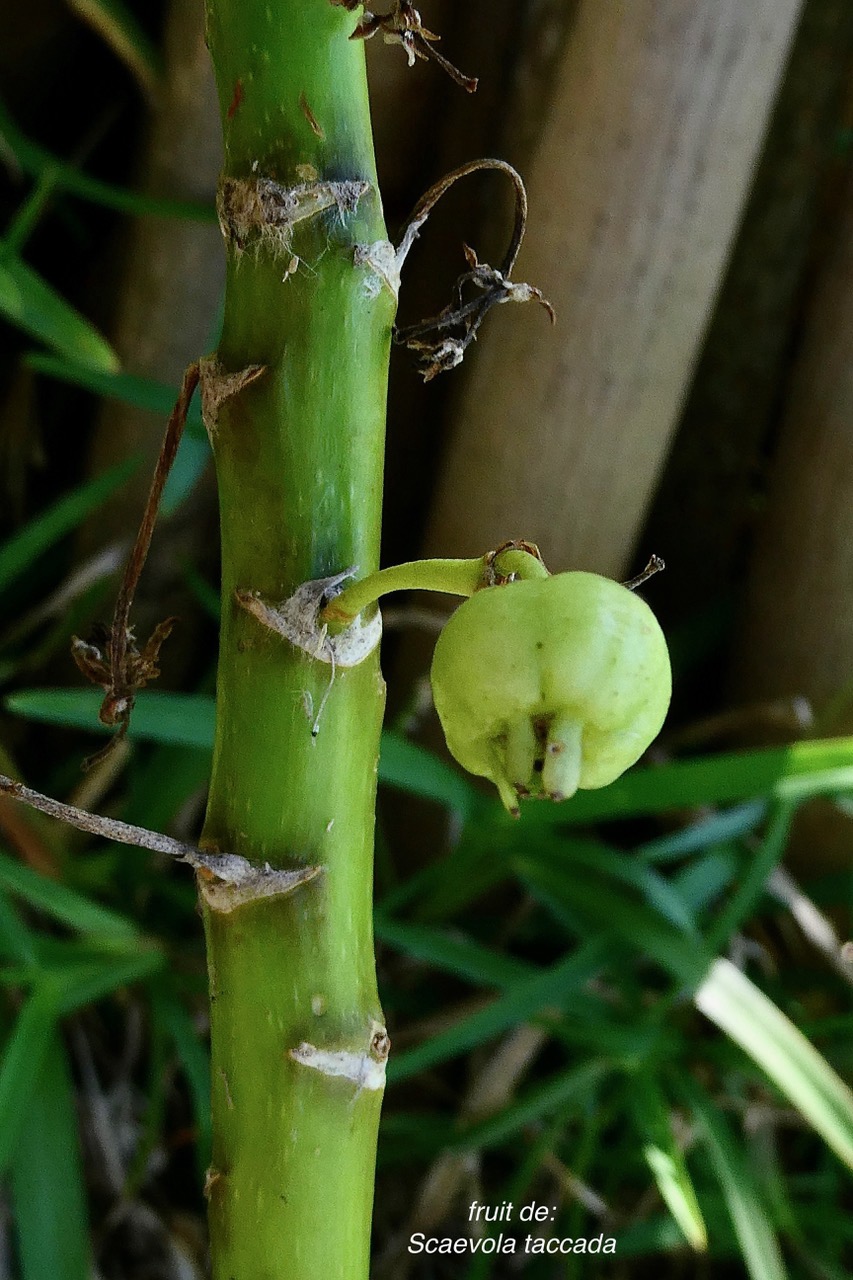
pixel 452 577
pixel 299 457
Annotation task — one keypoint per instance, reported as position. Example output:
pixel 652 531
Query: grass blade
pixel 676 1190
pixel 87 983
pixel 755 1023
pixel 722 827
pixel 31 304
pixel 21 551
pixel 552 988
pixel 657 891
pixel 187 720
pixel 127 388
pixel 119 29
pixel 409 767
pixel 611 909
pixel 178 719
pixel 453 953
pixel 755 1235
pixel 33 160
pixel 190 461
pixel 163 783
pixel 16 941
pixel 703 881
pixel 195 1061
pixel 751 885
pixel 23 1057
pixel 787 773
pixel 48 1193
pixel 62 903
pixel 666 1160
pixel 552 1095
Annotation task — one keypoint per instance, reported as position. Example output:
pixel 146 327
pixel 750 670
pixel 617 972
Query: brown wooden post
pixel 657 116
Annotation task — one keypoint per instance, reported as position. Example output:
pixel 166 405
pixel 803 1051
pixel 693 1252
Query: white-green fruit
pixel 550 685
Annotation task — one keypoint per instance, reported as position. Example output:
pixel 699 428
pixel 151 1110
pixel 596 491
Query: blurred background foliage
pixel 634 1008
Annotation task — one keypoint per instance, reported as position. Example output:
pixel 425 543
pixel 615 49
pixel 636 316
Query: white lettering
pixel 420 1243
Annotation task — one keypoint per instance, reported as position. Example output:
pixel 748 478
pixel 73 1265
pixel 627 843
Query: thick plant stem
pixel 297 1038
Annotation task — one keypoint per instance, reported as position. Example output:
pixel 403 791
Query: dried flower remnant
pixel 440 342
pixel 402 25
pixel 136 668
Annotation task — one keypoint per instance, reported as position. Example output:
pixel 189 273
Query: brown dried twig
pixel 111 658
pixel 229 868
pixel 655 565
pixel 441 341
pixel 402 25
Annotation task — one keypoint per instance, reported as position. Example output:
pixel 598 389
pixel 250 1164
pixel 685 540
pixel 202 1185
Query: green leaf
pixel 409 767
pixel 666 1161
pixel 190 462
pixel 163 783
pixel 87 983
pixel 653 887
pixel 48 1191
pixel 120 30
pixel 140 393
pixel 720 828
pixel 82 975
pixel 206 595
pixel 574 1085
pixel 474 865
pixel 755 1023
pixel 21 552
pixel 29 214
pixel 62 903
pixel 34 160
pixel 407 1138
pixel 453 953
pixel 702 881
pixel 677 1193
pixel 755 1235
pixel 751 885
pixel 611 907
pixel 154 397
pixel 552 988
pixel 657 1235
pixel 787 773
pixel 16 941
pixel 589 1025
pixel 31 304
pixel 20 1065
pixel 195 1062
pixel 180 719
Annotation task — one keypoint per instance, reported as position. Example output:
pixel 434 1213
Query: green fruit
pixel 547 686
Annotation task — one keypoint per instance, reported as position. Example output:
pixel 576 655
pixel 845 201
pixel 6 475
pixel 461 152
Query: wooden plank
pixel 797 633
pixel 636 190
